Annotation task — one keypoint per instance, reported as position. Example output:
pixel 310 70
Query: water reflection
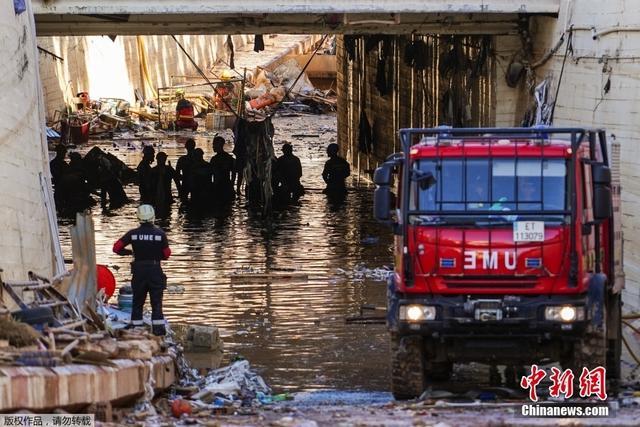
pixel 293 328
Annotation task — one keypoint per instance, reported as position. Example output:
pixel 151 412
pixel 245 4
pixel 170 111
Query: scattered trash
pixel 360 272
pixel 266 399
pixel 252 273
pixel 180 407
pixel 240 374
pixel 175 289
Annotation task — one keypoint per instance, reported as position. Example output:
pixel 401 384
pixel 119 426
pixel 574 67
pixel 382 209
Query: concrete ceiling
pixel 131 17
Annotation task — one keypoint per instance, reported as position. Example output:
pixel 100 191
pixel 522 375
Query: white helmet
pixel 146 213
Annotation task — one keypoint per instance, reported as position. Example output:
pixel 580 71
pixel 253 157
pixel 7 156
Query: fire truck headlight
pixel 417 312
pixel 564 313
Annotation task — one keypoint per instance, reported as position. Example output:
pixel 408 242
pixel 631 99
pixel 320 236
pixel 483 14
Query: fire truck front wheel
pixel 407 366
pixel 588 352
pixel 601 346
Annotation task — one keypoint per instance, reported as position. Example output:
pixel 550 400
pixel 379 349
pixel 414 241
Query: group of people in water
pixel 97 173
pixel 200 184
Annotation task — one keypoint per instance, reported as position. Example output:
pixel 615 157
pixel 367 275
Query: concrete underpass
pixel 509 30
pixel 462 75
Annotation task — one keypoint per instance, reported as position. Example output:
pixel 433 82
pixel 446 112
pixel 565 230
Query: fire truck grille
pixel 520 282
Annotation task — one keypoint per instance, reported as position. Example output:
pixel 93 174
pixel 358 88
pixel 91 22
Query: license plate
pixel 528 231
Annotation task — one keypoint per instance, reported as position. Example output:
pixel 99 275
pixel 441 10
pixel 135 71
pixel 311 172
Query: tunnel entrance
pixel 280 292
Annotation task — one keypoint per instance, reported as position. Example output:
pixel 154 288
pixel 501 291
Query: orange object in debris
pixel 262 101
pixel 105 280
pixel 179 407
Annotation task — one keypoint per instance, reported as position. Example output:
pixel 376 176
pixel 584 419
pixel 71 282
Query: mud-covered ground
pixel 378 409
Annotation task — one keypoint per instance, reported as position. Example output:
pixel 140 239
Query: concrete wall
pixel 583 100
pixel 107 68
pixel 25 238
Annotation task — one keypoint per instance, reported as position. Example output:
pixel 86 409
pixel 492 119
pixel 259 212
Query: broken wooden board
pixel 144 114
pixel 137 349
pixel 39 389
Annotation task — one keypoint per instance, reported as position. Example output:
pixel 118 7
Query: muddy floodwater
pixel 292 329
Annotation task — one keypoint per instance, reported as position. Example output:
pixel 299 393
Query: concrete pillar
pixel 26 242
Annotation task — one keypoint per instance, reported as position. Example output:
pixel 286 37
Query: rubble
pixel 288 88
pixel 249 273
pixel 63 336
pixel 361 272
pixel 60 322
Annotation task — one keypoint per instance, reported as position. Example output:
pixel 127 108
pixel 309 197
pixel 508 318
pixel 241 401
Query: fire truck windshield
pixel 471 189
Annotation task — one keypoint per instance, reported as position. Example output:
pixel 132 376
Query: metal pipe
pixel 573 251
pixel 405 139
pixel 595 34
pixel 596 224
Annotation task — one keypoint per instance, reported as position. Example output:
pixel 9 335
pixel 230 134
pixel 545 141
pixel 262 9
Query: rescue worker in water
pixel 150 247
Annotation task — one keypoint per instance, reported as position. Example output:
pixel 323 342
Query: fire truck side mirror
pixel 602 206
pixel 602 201
pixel 382 203
pixel 382 175
pixel 601 174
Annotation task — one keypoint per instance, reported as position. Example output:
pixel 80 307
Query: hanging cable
pixel 564 61
pixel 205 77
pixel 300 75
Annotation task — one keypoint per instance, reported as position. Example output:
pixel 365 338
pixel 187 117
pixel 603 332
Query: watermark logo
pixel 532 380
pixel 562 383
pixel 592 384
pixel 47 420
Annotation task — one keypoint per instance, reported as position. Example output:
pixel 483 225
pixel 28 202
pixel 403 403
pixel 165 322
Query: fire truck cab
pixel 508 250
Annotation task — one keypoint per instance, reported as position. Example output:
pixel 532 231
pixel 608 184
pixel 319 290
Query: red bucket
pixel 79 133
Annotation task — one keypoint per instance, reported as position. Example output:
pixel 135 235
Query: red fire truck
pixel 508 251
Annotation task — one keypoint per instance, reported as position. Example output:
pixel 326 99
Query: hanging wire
pixel 564 61
pixel 204 76
pixel 300 75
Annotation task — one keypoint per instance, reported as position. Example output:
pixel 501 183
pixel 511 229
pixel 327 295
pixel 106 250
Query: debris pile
pixel 252 273
pixel 49 331
pixel 234 389
pixel 361 272
pixel 61 321
pixel 98 118
pixel 287 85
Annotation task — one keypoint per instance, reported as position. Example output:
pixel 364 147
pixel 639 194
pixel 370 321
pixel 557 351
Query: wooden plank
pixel 269 276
